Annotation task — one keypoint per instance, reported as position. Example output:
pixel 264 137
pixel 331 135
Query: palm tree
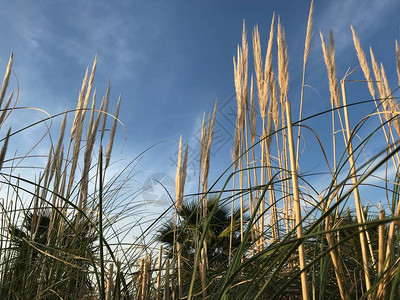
pixel 188 228
pixel 44 261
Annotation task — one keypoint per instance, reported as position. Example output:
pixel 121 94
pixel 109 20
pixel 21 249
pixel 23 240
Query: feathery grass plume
pixel 104 106
pixel 77 127
pixel 332 58
pixel 274 102
pixel 89 88
pixel 268 56
pixel 179 188
pixel 207 133
pixel 87 157
pixel 61 135
pixel 4 148
pixel 245 55
pixel 180 175
pixel 330 63
pixel 363 62
pixel 397 60
pixel 79 105
pixel 237 67
pixel 309 33
pixel 253 119
pixel 112 133
pixel 91 127
pixel 56 154
pixel 262 79
pixel 258 67
pixel 283 71
pixel 205 145
pixel 394 108
pixel 5 79
pixel 379 83
pixel 307 45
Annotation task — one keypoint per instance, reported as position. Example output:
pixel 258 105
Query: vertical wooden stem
pixel 158 295
pixel 296 201
pixel 357 199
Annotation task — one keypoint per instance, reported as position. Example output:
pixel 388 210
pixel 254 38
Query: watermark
pixel 157 185
pixel 224 128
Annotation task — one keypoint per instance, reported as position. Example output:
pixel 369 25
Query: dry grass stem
pixel 5 110
pixel 296 201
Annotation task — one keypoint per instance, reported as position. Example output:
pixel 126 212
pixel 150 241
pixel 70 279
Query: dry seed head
pixel 237 67
pixel 91 118
pixel 6 78
pixel 236 145
pixel 112 133
pixel 274 103
pixel 239 88
pixel 332 58
pixel 79 105
pixel 183 173
pixel 283 73
pixel 245 55
pixel 104 107
pixel 268 56
pixel 253 119
pixel 4 148
pixel 90 87
pixel 379 84
pixel 363 62
pixel 388 94
pixel 309 32
pixel 330 63
pixel 178 176
pixel 205 145
pixel 269 124
pixel 60 138
pixel 202 137
pixel 262 97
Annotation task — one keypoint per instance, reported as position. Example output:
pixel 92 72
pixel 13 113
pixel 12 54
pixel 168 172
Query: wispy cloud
pixel 367 17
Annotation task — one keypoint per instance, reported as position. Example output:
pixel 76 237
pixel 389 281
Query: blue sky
pixel 170 60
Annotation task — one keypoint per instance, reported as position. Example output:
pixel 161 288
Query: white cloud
pixel 367 17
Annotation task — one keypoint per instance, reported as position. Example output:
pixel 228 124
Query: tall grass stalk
pixel 364 238
pixel 296 201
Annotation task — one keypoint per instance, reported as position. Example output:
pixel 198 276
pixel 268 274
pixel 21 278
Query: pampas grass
pixel 279 237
